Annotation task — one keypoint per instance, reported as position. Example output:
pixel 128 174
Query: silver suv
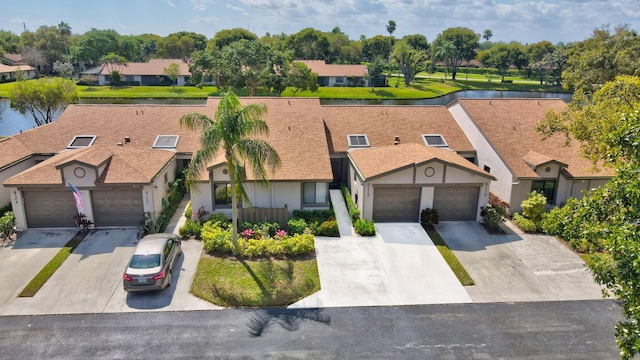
pixel 151 266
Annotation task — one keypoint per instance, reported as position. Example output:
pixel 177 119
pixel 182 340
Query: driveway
pixel 399 266
pixel 89 281
pixel 518 266
pixel 22 260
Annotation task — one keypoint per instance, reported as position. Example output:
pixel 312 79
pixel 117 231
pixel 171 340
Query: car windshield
pixel 145 261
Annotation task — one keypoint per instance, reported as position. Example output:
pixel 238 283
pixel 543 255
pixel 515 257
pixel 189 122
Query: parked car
pixel 152 262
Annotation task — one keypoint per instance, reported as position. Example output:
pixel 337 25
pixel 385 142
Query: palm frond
pixel 193 121
pixel 257 154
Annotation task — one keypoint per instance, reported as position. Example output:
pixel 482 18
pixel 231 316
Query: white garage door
pixel 49 208
pixel 456 203
pixel 117 207
pixel 399 204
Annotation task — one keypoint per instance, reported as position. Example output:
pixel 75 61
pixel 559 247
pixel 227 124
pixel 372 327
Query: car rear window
pixel 145 261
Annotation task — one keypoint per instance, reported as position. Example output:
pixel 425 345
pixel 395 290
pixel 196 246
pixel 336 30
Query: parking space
pixel 518 266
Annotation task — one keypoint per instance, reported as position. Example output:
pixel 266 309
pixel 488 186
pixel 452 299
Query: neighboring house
pixel 509 147
pixel 338 74
pixel 9 72
pixel 12 59
pixel 149 73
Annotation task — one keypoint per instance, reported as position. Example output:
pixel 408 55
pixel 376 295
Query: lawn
pixel 232 282
pixel 448 255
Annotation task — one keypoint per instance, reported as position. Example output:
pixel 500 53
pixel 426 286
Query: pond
pixel 12 122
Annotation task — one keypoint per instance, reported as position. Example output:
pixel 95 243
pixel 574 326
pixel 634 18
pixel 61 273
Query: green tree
pixel 43 98
pixel 410 61
pixel 375 73
pixel 377 46
pixel 309 44
pixel 94 44
pixel 445 51
pixel 233 131
pixel 487 35
pixel 465 42
pixel 302 78
pixel 172 72
pixel 9 42
pixel 180 45
pixel 502 56
pixel 227 36
pixel 64 31
pixel 417 41
pixel 391 27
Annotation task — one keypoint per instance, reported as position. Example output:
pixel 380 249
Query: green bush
pixel 526 224
pixel 7 222
pixel 364 227
pixel 216 239
pixel 190 228
pixel 492 217
pixel 187 211
pixel 565 222
pixel 327 228
pixel 218 217
pixel 6 208
pixel 354 213
pixel 533 206
pixel 429 216
pixel 320 215
pixel 297 226
pixel 299 244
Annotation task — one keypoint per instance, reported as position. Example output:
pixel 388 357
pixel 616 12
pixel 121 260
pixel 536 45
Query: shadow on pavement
pixel 289 319
pixel 149 300
pixel 471 235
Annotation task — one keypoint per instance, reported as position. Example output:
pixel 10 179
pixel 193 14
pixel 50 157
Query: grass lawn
pixel 448 255
pixel 48 270
pixel 232 282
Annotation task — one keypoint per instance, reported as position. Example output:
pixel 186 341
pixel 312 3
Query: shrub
pixel 218 217
pixel 492 217
pixel 364 227
pixel 565 223
pixel 498 203
pixel 297 226
pixel 187 211
pixel 429 216
pixel 320 215
pixel 533 206
pixel 298 244
pixel 7 222
pixel 190 228
pixel 526 224
pixel 327 228
pixel 354 213
pixel 201 215
pixel 6 208
pixel 216 239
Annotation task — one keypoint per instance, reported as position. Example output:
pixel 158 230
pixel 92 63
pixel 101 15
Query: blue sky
pixel 526 21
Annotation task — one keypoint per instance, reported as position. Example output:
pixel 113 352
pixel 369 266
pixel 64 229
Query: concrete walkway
pixel 342 214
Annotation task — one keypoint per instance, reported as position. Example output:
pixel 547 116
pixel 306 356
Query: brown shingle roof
pixel 15 59
pixel 153 67
pixel 9 69
pixel 93 156
pixel 382 124
pixel 127 165
pixel 374 162
pixel 12 150
pixel 323 69
pixel 509 125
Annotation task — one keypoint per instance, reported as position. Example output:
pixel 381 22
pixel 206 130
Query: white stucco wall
pixel 5 193
pixel 486 154
pixel 286 194
pixel 201 196
pixel 17 203
pixel 426 198
pixel 518 194
pixel 159 189
pixel 89 179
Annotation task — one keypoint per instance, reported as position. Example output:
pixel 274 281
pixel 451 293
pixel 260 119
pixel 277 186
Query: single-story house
pixel 508 146
pixel 12 59
pixel 149 73
pixel 9 72
pixel 338 74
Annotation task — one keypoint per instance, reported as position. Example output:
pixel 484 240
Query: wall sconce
pixel 15 196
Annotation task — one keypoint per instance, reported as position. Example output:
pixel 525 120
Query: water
pixel 12 122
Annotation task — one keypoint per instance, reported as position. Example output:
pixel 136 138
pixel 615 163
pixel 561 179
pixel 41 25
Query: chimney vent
pixel 396 141
pixel 127 139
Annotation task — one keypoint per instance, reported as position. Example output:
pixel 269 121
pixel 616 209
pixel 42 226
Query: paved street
pixel 538 330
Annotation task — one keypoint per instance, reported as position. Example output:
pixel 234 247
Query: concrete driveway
pixel 89 281
pixel 22 260
pixel 518 266
pixel 399 266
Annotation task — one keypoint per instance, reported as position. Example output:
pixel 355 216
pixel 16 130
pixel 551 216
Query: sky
pixel 526 21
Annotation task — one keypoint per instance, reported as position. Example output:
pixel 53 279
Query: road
pixel 537 330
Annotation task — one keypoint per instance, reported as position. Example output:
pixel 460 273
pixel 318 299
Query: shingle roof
pixel 126 165
pixel 382 124
pixel 12 150
pixel 16 59
pixel 9 68
pixel 323 69
pixel 374 162
pixel 509 125
pixel 153 67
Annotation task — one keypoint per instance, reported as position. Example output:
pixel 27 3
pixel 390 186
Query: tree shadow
pixel 176 90
pixel 289 319
pixel 385 93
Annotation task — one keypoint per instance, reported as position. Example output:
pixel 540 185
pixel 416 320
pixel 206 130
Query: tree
pixel 502 56
pixel 417 41
pixel 64 30
pixel 232 131
pixel 465 42
pixel 9 42
pixel 62 68
pixel 43 98
pixel 309 44
pixel 375 73
pixel 377 46
pixel 94 44
pixel 391 27
pixel 487 35
pixel 33 56
pixel 89 80
pixel 302 78
pixel 114 64
pixel 227 36
pixel 446 52
pixel 410 61
pixel 172 72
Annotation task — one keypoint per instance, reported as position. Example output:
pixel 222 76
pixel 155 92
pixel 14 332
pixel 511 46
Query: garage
pixel 396 204
pixel 117 207
pixel 49 208
pixel 456 203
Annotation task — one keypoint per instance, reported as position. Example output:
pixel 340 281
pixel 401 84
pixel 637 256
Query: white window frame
pixel 351 145
pixel 70 146
pixel 444 142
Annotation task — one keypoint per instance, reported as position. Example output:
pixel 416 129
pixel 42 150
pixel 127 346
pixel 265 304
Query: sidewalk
pixel 342 214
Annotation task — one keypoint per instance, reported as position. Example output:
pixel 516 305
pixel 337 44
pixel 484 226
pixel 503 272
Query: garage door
pixel 117 207
pixel 456 203
pixel 49 208
pixel 396 204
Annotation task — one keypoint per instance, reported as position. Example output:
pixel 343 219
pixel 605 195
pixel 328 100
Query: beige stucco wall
pixel 89 179
pixel 5 193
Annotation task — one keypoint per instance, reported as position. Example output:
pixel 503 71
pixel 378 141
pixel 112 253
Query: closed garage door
pixel 456 203
pixel 396 204
pixel 49 208
pixel 117 207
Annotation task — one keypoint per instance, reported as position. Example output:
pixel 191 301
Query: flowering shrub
pixel 247 234
pixel 201 215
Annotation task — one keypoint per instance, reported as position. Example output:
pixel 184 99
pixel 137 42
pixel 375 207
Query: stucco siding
pixel 518 194
pixel 400 177
pixel 437 174
pixel 6 193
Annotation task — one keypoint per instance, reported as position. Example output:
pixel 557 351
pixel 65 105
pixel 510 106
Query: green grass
pixel 48 270
pixel 233 282
pixel 455 265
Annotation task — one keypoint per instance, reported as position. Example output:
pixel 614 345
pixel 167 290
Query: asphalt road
pixel 540 330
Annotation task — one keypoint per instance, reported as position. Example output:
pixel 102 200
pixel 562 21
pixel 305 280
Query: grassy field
pixel 233 282
pixel 422 88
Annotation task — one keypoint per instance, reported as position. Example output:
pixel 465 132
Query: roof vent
pixel 396 141
pixel 358 140
pixel 127 139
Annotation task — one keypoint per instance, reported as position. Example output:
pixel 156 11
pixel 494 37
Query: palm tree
pixel 445 51
pixel 231 132
pixel 391 27
pixel 65 31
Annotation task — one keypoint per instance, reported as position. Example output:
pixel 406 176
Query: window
pixel 314 193
pixel 80 141
pixel 487 169
pixel 166 141
pixel 434 140
pixel 339 80
pixel 222 194
pixel 358 140
pixel 547 188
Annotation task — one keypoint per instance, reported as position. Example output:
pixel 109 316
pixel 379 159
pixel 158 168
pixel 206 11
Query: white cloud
pixel 170 3
pixel 204 20
pixel 201 5
pixel 231 7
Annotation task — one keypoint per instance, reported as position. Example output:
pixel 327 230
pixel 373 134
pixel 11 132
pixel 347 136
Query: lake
pixel 12 122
